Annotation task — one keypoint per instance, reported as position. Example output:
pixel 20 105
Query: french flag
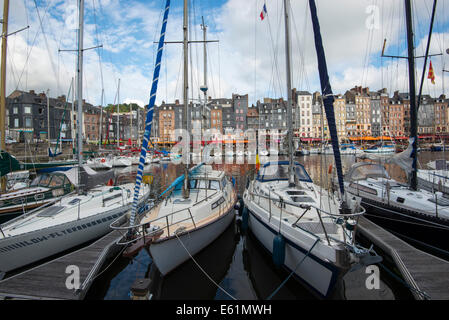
pixel 263 13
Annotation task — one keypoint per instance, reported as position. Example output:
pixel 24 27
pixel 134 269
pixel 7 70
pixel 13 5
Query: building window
pixel 15 110
pixel 16 123
pixel 28 123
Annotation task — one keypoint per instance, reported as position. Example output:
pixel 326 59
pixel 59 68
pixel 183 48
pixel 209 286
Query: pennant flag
pixel 263 14
pixel 431 75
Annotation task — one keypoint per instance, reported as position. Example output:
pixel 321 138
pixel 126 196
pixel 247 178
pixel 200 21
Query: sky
pixel 248 59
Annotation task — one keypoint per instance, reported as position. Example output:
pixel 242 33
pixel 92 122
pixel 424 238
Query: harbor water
pixel 236 262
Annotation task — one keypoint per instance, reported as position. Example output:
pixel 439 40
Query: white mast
pixel 185 188
pixel 118 114
pixel 79 92
pixel 289 95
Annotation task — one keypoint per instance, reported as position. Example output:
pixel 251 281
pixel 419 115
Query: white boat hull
pixel 23 249
pixel 319 275
pixel 121 162
pixel 99 164
pixel 169 253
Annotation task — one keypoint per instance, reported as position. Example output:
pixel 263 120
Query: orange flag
pixel 431 75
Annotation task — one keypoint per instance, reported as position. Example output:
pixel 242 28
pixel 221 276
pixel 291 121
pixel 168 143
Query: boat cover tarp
pixel 8 163
pixel 403 159
pixel 89 178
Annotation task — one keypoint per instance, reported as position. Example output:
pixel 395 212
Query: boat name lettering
pixel 53 235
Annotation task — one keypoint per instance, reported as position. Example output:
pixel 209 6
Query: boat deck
pixel 422 271
pixel 48 281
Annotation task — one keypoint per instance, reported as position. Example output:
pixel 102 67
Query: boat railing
pixel 306 207
pixel 142 231
pixel 28 213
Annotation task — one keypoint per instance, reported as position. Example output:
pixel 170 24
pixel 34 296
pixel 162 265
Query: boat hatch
pixel 178 201
pixel 74 201
pixel 50 211
pixel 274 171
pixel 295 193
pixel 400 200
pixel 302 199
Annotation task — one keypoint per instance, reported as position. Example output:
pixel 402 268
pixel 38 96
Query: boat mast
pixel 48 119
pixel 3 84
pixel 3 74
pixel 204 86
pixel 118 114
pixel 72 122
pixel 291 176
pixel 101 117
pixel 413 111
pixel 79 93
pixel 185 188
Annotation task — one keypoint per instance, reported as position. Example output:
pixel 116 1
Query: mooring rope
pixel 202 270
pixel 293 271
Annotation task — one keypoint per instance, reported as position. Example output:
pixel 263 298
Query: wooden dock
pixel 422 271
pixel 48 281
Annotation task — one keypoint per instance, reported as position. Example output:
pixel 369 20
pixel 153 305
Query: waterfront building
pixel 441 116
pixel 305 116
pixel 340 116
pixel 376 113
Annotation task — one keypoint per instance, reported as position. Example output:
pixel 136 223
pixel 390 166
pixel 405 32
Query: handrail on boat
pixel 144 232
pixel 308 206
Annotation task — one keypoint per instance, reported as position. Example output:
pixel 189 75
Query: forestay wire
pixel 149 118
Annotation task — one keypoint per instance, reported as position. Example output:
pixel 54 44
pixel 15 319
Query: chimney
pixel 177 102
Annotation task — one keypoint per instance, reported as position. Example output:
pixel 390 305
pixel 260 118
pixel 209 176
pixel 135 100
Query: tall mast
pixel 72 122
pixel 413 111
pixel 291 176
pixel 101 118
pixel 3 84
pixel 118 114
pixel 204 87
pixel 185 189
pixel 131 122
pixel 3 74
pixel 48 119
pixel 79 92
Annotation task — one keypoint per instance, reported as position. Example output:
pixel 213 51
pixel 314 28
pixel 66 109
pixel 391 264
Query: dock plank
pixel 48 281
pixel 420 270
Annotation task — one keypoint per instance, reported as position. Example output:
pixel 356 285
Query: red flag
pixel 431 75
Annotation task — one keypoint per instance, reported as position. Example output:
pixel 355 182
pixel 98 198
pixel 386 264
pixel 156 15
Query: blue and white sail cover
pixel 149 118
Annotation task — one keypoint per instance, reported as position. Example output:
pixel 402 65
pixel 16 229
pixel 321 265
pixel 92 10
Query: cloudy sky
pixel 248 59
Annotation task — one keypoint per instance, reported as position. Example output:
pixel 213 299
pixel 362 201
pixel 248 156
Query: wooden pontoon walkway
pixel 48 281
pixel 422 271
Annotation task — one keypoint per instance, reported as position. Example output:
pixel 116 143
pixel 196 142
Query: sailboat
pixel 309 232
pixel 436 177
pixel 195 209
pixel 72 220
pixel 418 216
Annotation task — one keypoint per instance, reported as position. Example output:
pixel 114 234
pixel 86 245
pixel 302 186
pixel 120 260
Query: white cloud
pixel 246 49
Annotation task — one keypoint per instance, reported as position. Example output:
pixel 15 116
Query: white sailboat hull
pixel 315 272
pixel 169 253
pixel 33 246
pixel 99 163
pixel 121 162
